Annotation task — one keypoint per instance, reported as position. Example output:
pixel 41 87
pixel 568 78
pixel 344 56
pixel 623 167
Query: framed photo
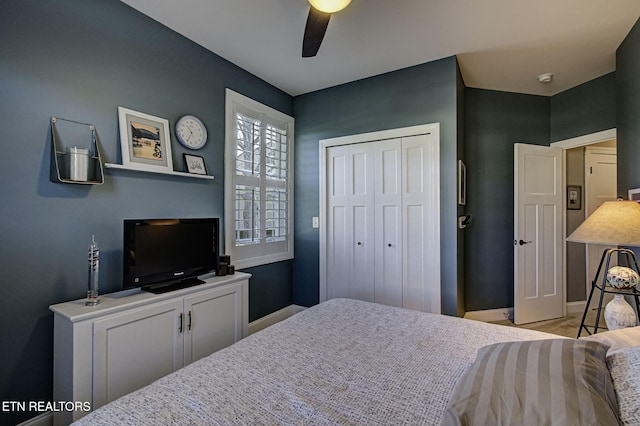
pixel 462 183
pixel 145 141
pixel 634 194
pixel 574 197
pixel 195 164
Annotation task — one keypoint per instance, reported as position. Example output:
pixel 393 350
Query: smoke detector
pixel 545 78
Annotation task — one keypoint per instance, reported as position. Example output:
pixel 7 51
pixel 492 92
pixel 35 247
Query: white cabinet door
pixel 213 320
pixel 135 348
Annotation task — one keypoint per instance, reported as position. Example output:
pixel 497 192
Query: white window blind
pixel 258 182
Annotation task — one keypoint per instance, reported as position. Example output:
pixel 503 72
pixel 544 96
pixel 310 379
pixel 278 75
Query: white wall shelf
pixel 183 174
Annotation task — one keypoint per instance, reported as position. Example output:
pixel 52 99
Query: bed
pixel 352 362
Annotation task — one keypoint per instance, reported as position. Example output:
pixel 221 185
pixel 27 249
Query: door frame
pixel 324 145
pixel 566 144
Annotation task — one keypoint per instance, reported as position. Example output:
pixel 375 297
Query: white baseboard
pixel 490 315
pixel 277 316
pixel 44 419
pixel 576 307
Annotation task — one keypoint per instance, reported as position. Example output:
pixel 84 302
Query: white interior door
pixel 538 232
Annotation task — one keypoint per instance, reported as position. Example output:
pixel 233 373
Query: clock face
pixel 191 132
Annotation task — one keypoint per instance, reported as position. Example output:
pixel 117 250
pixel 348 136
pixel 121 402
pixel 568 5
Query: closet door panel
pixel 339 238
pixel 421 260
pixel 362 222
pixel 414 278
pixel 388 228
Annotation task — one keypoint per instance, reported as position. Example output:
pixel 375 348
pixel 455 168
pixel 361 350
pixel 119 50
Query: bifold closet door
pixel 350 222
pixel 420 223
pixel 388 221
pixel 383 222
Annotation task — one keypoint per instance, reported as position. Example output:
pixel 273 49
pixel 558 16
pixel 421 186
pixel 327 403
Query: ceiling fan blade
pixel 317 22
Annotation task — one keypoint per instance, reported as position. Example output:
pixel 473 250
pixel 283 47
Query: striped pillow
pixel 543 382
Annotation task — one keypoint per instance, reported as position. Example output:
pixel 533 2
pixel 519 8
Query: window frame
pixel 263 252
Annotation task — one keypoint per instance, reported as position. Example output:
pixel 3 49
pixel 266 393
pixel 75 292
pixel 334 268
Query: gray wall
pixel 418 95
pixel 81 59
pixel 494 122
pixel 584 109
pixel 628 111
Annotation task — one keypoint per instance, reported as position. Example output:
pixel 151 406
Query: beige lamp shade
pixel 615 223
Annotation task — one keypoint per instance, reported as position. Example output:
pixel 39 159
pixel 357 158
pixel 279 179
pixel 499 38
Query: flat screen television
pixel 166 254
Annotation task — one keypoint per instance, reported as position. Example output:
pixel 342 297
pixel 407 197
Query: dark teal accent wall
pixel 81 59
pixel 584 109
pixel 628 110
pixel 494 122
pixel 418 95
pixel 461 209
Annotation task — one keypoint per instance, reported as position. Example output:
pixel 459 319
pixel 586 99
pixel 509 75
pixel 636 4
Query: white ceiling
pixel 500 44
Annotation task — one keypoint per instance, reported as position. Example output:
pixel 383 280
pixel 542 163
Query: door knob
pixel 523 242
pixel 359 243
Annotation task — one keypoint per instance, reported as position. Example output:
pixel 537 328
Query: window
pixel 258 182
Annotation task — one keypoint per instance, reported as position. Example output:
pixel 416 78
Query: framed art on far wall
pixel 195 164
pixel 574 197
pixel 145 141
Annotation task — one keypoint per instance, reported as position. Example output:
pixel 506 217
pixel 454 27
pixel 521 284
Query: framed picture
pixel 462 183
pixel 145 141
pixel 634 194
pixel 195 164
pixel 574 197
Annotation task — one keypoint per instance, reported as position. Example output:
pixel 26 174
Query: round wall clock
pixel 191 132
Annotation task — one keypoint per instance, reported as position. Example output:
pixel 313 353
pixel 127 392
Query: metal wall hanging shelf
pixel 75 156
pixel 171 173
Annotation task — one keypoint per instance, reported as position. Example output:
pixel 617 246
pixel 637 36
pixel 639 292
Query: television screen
pixel 165 254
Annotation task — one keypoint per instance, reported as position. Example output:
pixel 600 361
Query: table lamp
pixel 614 223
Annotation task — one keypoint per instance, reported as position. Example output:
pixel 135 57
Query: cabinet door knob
pixel 180 325
pixel 390 245
pixel 359 243
pixel 189 321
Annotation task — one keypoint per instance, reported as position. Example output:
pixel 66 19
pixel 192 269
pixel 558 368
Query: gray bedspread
pixel 341 362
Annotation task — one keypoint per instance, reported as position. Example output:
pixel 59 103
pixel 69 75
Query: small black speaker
pixel 223 265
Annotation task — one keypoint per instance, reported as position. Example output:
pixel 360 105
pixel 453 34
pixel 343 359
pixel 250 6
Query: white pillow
pixel 617 339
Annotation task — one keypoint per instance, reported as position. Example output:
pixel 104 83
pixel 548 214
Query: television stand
pixel 168 286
